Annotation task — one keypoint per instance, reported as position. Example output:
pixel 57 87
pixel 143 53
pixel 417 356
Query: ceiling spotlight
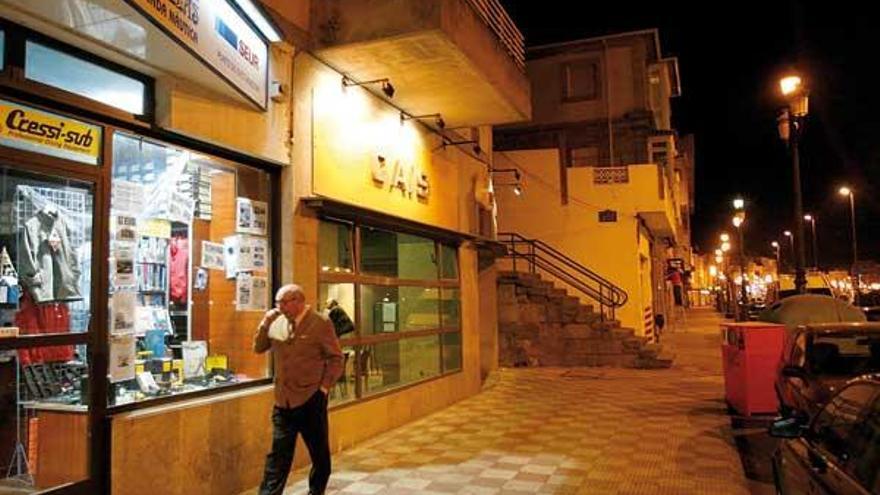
pixel 517 190
pixel 387 87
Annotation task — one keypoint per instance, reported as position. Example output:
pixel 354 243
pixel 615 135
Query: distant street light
pixel 790 236
pixel 791 122
pixel 778 257
pixel 738 220
pixel 854 272
pixel 810 218
pixel 725 237
pixel 738 204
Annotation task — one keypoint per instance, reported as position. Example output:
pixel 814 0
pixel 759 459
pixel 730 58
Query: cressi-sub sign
pixel 29 129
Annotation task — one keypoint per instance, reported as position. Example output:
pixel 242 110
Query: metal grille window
pixel 610 175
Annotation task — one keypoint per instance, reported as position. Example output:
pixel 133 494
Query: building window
pixel 580 80
pixel 190 252
pixel 403 298
pixel 587 156
pixel 607 216
pixel 62 70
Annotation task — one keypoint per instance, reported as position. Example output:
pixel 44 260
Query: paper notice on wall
pixel 123 268
pixel 154 227
pixel 212 256
pixel 230 255
pixel 251 217
pixel 126 228
pixel 180 208
pixel 259 293
pixel 244 288
pixel 259 253
pixel 122 312
pixel 122 356
pixel 194 353
pixel 127 197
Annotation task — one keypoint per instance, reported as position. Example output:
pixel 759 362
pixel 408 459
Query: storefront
pixel 183 192
pixel 189 231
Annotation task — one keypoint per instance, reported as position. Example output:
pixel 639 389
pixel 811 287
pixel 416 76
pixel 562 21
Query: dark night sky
pixel 729 62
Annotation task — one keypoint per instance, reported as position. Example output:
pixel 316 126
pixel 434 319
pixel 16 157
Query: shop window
pixel 451 351
pixel 2 49
pixel 448 262
pixel 45 435
pixel 335 246
pixel 61 70
pixel 450 308
pixel 190 264
pixel 404 300
pixel 393 254
pixel 392 364
pixel 46 227
pixel 45 254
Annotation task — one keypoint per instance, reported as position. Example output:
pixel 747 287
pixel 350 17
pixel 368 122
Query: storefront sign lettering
pixel 218 35
pixel 30 129
pixel 400 175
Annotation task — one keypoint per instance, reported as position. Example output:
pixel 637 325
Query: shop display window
pixel 190 270
pixel 46 227
pixel 404 302
pixel 56 68
pixel 45 253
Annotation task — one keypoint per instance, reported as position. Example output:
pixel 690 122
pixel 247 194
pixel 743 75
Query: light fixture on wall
pixel 387 88
pixel 476 148
pixel 438 120
pixel 517 186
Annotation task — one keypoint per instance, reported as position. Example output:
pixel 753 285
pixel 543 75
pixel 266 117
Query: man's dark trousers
pixel 310 420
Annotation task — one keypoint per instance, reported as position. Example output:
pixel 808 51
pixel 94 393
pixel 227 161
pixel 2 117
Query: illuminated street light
pixel 778 256
pixel 738 220
pixel 846 191
pixel 812 220
pixel 791 122
pixel 725 246
pixel 739 204
pixel 725 237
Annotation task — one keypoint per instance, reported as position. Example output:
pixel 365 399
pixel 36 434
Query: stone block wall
pixel 539 324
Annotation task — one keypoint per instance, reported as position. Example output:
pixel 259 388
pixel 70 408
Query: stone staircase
pixel 539 324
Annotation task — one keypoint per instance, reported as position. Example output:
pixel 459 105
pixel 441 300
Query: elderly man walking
pixel 308 361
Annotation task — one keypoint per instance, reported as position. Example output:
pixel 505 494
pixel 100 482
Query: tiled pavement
pixel 566 431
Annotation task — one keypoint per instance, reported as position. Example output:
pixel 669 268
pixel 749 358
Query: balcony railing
pixel 494 15
pixel 610 175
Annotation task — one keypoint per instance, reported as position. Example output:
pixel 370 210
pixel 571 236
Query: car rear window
pixel 845 354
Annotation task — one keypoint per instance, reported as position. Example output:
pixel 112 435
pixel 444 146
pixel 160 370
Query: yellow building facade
pixel 305 172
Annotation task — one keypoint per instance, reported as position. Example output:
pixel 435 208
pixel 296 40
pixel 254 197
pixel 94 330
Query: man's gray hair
pixel 292 290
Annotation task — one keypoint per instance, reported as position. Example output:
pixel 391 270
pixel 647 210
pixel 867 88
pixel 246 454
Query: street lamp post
pixel 854 272
pixel 790 124
pixel 810 218
pixel 778 257
pixel 790 237
pixel 738 223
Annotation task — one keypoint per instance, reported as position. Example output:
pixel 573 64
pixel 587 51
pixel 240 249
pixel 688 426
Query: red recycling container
pixel 750 353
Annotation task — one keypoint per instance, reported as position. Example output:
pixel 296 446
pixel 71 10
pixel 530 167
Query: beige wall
pixel 621 92
pixel 610 249
pixel 191 110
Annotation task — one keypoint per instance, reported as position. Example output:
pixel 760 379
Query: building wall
pixel 610 249
pixel 188 109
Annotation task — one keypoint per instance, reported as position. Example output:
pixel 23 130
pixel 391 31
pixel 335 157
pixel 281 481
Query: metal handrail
pixel 539 255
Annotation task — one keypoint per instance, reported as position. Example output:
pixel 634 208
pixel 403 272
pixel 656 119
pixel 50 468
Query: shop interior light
pixel 438 119
pixel 517 190
pixel 387 87
pixel 259 19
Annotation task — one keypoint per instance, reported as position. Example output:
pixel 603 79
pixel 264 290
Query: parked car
pixel 818 358
pixel 838 452
pixel 817 283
